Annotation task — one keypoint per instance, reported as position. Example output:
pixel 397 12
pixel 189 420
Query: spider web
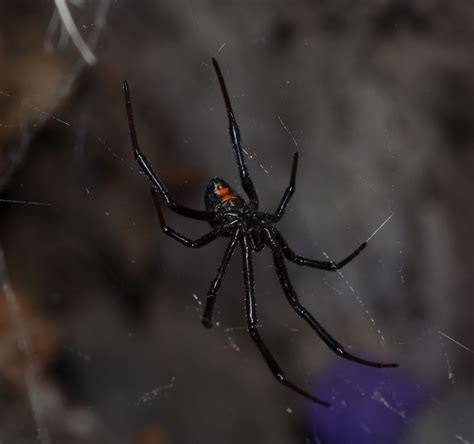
pixel 101 334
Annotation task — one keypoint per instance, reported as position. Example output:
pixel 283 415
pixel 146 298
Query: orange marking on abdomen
pixel 228 197
pixel 223 191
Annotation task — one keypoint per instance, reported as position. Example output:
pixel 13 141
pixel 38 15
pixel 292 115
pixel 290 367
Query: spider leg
pixel 252 321
pixel 147 169
pixel 322 265
pixel 290 189
pixel 200 242
pixel 301 311
pixel 216 283
pixel 234 133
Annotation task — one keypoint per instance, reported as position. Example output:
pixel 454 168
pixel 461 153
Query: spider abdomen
pixel 220 197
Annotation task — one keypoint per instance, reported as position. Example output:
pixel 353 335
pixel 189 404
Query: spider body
pixel 250 229
pixel 231 211
pixel 221 197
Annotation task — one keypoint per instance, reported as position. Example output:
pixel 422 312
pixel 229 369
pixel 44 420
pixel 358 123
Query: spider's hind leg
pixel 289 191
pixel 234 133
pixel 147 169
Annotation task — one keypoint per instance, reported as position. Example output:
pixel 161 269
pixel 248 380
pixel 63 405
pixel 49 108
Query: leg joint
pixel 252 330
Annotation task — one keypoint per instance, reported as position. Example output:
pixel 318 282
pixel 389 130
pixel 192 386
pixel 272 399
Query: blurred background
pixel 100 332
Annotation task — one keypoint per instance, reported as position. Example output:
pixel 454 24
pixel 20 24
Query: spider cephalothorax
pixel 252 230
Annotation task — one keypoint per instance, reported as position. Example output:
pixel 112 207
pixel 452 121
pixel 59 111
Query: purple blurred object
pixel 367 405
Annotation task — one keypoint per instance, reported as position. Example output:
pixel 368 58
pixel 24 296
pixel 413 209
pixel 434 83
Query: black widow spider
pixel 231 216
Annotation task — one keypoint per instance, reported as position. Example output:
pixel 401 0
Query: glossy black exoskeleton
pixel 231 216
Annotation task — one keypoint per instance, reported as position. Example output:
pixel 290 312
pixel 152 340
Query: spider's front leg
pixel 234 134
pixel 200 242
pixel 147 169
pixel 252 321
pixel 216 283
pixel 301 311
